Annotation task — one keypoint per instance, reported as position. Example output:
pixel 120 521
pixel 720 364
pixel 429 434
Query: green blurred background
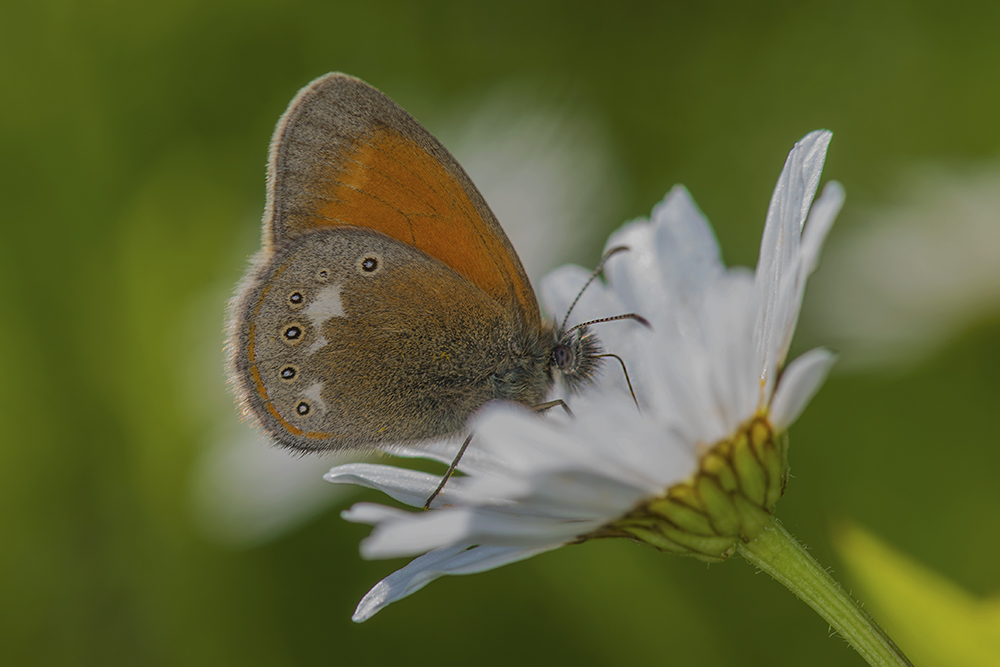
pixel 133 138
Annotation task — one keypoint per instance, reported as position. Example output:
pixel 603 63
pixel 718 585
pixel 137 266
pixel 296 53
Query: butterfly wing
pixel 355 340
pixel 345 154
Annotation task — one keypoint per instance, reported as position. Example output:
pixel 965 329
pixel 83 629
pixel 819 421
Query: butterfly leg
pixel 542 407
pixel 448 473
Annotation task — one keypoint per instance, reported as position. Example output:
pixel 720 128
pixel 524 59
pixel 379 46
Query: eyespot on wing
pixel 361 358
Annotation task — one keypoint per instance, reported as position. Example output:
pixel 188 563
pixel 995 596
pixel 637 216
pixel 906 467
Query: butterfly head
pixel 575 357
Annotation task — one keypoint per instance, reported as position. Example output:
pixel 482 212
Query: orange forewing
pixel 345 154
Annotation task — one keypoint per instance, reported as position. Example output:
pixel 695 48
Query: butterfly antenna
pixel 627 316
pixel 627 380
pixel 597 272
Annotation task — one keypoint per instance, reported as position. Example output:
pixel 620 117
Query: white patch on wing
pixel 313 393
pixel 326 305
pixel 317 344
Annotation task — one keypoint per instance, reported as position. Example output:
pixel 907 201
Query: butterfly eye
pixel 369 264
pixel 563 356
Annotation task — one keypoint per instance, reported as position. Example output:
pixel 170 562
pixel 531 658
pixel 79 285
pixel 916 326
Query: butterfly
pixel 386 304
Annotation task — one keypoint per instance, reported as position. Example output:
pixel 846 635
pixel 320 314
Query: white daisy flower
pixel 696 469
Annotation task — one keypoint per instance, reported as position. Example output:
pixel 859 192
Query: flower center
pixel 729 498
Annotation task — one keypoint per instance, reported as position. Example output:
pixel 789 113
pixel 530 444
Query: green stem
pixel 779 554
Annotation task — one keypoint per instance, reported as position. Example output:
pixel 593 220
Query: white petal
pixel 633 274
pixel 733 385
pixel 410 533
pixel 793 194
pixel 474 459
pixel 372 513
pixel 799 383
pixel 779 248
pixel 671 258
pixel 459 559
pixel 688 252
pixel 406 486
pixel 608 437
pixel 821 218
pixel 568 494
pixel 442 451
